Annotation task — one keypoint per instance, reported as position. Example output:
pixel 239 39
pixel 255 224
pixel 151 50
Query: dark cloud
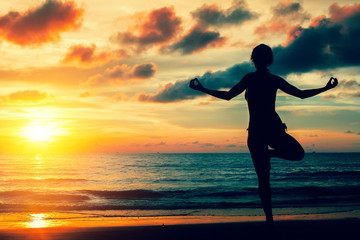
pixel 200 37
pixel 285 16
pixel 197 39
pixel 180 90
pixel 350 85
pixel 41 24
pixel 332 43
pixel 157 28
pixel 287 8
pixel 144 70
pixel 329 43
pixel 121 74
pixel 209 145
pixel 231 146
pixel 351 132
pixel 338 13
pixel 212 15
pixel 156 144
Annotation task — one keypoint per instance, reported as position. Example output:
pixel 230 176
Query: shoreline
pixel 283 229
pixel 33 220
pixel 89 219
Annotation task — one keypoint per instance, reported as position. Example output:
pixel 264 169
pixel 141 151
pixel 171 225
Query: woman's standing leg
pixel 259 154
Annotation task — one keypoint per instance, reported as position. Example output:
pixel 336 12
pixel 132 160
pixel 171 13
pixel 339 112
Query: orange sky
pixel 91 76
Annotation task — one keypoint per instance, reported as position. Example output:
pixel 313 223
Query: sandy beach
pixel 285 229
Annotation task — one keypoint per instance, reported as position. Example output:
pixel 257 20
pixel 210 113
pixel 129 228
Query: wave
pixel 336 173
pixel 297 203
pixel 200 194
pixel 317 191
pixel 133 194
pixel 91 207
pixel 342 176
pixel 208 198
pixel 46 180
pixel 181 194
pixel 215 193
pixel 41 197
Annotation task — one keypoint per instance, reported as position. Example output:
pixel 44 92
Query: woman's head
pixel 262 56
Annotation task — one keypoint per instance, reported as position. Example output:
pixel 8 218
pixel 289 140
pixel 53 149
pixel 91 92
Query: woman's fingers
pixel 333 82
pixel 194 83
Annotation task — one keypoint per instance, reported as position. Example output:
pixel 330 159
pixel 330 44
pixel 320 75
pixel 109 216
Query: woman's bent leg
pixel 286 147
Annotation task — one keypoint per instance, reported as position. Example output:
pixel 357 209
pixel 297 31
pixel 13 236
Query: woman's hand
pixel 196 85
pixel 333 82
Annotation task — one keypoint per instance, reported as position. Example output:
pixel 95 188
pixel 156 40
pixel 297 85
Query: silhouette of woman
pixel 265 126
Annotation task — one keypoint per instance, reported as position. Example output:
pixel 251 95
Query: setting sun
pixel 39 132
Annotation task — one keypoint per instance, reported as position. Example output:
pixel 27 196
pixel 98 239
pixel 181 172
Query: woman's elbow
pixel 301 95
pixel 228 98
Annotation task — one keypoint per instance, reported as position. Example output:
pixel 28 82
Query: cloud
pixel 293 33
pixel 85 94
pixel 156 144
pixel 209 145
pixel 338 13
pixel 120 74
pixel 212 15
pixel 196 40
pixel 330 44
pixel 40 25
pixel 178 91
pixel 85 55
pixel 200 37
pixel 333 42
pixel 57 76
pixel 351 132
pixel 30 97
pixel 27 95
pixel 88 55
pixel 144 70
pixel 286 15
pixel 287 8
pixel 121 97
pixel 159 27
pixel 231 146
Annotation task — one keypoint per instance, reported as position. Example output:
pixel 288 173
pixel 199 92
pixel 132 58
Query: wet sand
pixel 341 229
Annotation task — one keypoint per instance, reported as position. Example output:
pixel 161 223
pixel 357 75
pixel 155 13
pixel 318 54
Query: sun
pixel 40 132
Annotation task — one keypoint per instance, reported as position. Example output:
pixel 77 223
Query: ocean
pixel 160 184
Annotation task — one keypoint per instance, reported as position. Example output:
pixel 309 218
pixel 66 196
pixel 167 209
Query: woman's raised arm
pixel 226 95
pixel 290 89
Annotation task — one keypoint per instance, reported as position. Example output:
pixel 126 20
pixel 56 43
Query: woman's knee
pixel 298 154
pixel 292 148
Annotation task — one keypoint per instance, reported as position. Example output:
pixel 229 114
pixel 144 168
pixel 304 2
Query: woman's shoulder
pixel 251 75
pixel 262 75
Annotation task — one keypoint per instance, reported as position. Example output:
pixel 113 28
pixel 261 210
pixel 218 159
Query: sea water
pixel 160 184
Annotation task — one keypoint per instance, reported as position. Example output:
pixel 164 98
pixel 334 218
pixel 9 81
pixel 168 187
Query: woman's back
pixel 261 96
